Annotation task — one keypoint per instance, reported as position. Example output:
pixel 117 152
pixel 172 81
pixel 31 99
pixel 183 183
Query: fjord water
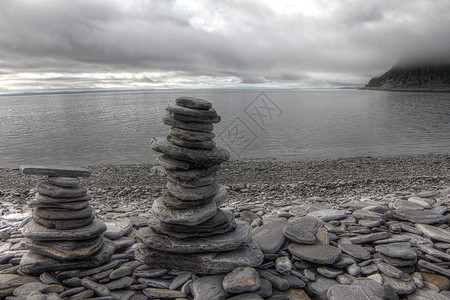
pixel 115 128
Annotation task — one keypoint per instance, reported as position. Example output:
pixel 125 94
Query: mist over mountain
pixel 429 72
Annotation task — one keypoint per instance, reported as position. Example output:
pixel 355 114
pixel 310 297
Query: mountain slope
pixel 413 77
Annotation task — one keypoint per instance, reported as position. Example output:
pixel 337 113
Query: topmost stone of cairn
pixel 191 102
pixel 59 171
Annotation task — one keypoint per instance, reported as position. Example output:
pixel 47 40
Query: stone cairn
pixel 63 232
pixel 188 231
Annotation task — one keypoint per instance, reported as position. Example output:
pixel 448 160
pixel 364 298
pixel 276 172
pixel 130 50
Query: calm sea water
pixel 88 129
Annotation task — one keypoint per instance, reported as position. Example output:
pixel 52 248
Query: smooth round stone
pixel 193 136
pixel 60 205
pixel 241 280
pixel 302 230
pixel 173 164
pixel 186 118
pixel 38 232
pixel 192 102
pixel 113 231
pixel 220 242
pixel 58 171
pixel 435 233
pixel 58 214
pixel 319 253
pixel 208 145
pixel 222 222
pixel 418 216
pixel 397 250
pixel 174 203
pixel 270 236
pixel 205 158
pixel 51 190
pixel 64 224
pixel 199 182
pixel 202 263
pixel 194 126
pixel 46 199
pixel 187 194
pixel 355 251
pixel 283 265
pixel 192 112
pixel 35 264
pixel 190 217
pixel 67 250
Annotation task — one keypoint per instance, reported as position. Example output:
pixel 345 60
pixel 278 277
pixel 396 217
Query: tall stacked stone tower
pixel 188 230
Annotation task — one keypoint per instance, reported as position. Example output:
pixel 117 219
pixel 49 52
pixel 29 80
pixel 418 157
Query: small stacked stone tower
pixel 188 230
pixel 63 232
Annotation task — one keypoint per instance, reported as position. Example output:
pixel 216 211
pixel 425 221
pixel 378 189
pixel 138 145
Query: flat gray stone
pixel 192 112
pixel 319 253
pixel 207 145
pixel 200 157
pixel 155 293
pixel 35 264
pixel 426 265
pixel 61 213
pixel 418 216
pixel 46 199
pixel 38 232
pixel 371 237
pixel 193 136
pixel 23 291
pixel 302 230
pixel 190 217
pixel 172 202
pixel 194 126
pixel 435 233
pixel 209 288
pixel 54 171
pixel 67 250
pixel 222 222
pixel 197 193
pixel 64 181
pixel 397 250
pixel 186 118
pixel 241 280
pixel 427 294
pixel 405 204
pixel 61 205
pixel 202 263
pixel 99 289
pixel 320 286
pixel 355 251
pixel 189 175
pixel 192 102
pixel 51 190
pixel 328 214
pixel 270 236
pixel 390 270
pixel 348 292
pixel 402 286
pixel 62 224
pixel 173 164
pixel 220 242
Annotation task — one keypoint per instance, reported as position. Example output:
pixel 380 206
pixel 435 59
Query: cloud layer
pixel 84 44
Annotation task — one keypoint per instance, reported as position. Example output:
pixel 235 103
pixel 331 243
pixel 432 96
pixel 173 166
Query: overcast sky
pixel 137 44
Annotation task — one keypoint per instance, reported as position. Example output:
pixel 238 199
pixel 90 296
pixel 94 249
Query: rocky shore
pixel 368 227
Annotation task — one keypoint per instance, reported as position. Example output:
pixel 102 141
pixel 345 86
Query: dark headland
pixel 425 76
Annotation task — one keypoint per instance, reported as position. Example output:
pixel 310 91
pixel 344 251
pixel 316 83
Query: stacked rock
pixel 186 217
pixel 63 232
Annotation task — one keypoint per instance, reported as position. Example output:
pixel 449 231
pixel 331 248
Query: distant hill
pixel 433 77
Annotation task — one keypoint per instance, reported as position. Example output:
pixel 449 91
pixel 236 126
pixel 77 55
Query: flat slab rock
pixel 219 242
pixel 197 156
pixel 418 216
pixel 36 231
pixel 270 236
pixel 318 253
pixel 192 102
pixel 61 171
pixel 202 263
pixel 35 264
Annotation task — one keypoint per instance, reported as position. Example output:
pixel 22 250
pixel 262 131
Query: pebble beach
pixel 374 227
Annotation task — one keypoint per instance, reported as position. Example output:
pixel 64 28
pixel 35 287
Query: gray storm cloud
pixel 344 43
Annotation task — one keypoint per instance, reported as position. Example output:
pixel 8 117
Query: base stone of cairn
pixel 188 231
pixel 63 233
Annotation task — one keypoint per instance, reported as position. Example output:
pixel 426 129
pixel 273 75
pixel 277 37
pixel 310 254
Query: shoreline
pixel 256 180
